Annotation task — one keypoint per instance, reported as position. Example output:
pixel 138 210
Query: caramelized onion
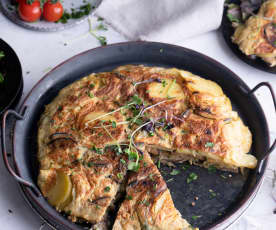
pixel 270 33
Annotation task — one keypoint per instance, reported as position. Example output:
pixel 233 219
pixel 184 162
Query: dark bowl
pixel 12 87
pixel 228 31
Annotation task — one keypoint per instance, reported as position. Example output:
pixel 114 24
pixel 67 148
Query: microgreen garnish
pixel 158 163
pixel 101 39
pixel 209 145
pixel 174 172
pixel 192 177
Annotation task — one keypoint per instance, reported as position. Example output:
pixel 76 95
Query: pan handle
pixel 4 150
pixel 273 146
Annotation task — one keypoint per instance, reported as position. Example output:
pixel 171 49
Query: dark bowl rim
pixel 17 95
pixel 244 201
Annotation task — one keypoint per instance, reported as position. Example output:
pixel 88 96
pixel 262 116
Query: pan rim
pixel 243 201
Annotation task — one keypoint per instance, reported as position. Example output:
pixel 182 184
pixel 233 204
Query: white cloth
pixel 161 20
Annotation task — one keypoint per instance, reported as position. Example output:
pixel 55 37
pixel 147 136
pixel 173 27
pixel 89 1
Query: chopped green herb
pixel 151 133
pixel 91 85
pixel 123 161
pixel 102 27
pixel 97 206
pixel 209 145
pixel 113 124
pixel 107 189
pixel 191 177
pixel 164 83
pixel 2 54
pixel 212 193
pixel 129 197
pixel 212 169
pixel 89 164
pixel 97 150
pixel 90 94
pixel 169 180
pixel 185 167
pixel 120 175
pixel 233 18
pixel 174 172
pixel 1 78
pixel 158 163
pixel 151 176
pixel 195 217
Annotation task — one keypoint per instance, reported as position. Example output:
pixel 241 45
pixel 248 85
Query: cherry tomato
pixel 29 10
pixel 52 10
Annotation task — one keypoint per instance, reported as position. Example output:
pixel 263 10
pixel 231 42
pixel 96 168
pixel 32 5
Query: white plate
pixel 9 10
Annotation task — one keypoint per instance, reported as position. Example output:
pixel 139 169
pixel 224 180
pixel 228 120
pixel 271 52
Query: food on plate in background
pixel 255 28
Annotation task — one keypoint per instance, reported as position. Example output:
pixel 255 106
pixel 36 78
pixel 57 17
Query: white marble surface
pixel 39 52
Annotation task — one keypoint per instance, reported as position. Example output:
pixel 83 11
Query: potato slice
pixel 168 88
pixel 60 193
pixel 201 85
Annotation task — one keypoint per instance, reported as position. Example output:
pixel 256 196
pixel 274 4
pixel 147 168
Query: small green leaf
pixel 174 172
pixel 113 124
pixel 102 27
pixel 102 40
pixel 212 169
pixel 209 145
pixel 90 95
pixel 129 197
pixel 123 161
pixel 120 175
pixel 192 177
pixel 133 166
pixel 232 18
pixel 2 79
pixel 195 217
pixel 107 189
pixel 2 54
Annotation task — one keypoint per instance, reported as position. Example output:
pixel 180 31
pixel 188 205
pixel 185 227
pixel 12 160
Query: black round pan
pixel 221 198
pixel 11 88
pixel 228 31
